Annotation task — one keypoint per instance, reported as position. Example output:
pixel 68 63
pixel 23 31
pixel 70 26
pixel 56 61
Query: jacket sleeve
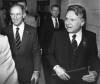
pixel 36 52
pixel 51 52
pixel 94 59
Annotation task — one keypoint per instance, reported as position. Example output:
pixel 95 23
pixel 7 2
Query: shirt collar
pixel 77 34
pixel 21 29
pixel 53 18
pixel 21 26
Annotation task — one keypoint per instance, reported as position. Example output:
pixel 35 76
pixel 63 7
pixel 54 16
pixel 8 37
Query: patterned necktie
pixel 56 24
pixel 74 42
pixel 18 41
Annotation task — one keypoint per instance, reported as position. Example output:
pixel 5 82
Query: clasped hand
pixel 91 77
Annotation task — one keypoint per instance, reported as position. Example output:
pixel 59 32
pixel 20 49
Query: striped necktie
pixel 74 42
pixel 18 40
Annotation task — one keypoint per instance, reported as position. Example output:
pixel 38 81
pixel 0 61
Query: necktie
pixel 56 24
pixel 74 42
pixel 18 41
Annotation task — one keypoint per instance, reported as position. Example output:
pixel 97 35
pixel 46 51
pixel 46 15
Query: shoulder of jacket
pixel 90 32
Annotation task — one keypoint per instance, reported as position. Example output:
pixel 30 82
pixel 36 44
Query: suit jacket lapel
pixel 51 22
pixel 83 42
pixel 11 38
pixel 67 40
pixel 67 46
pixel 25 37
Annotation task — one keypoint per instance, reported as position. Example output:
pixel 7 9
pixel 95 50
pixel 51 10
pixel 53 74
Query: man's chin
pixel 69 30
pixel 16 24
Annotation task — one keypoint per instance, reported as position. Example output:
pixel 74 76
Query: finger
pixel 32 78
pixel 86 76
pixel 91 78
pixel 67 75
pixel 63 77
pixel 88 79
pixel 36 81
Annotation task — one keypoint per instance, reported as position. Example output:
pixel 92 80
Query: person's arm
pixel 51 52
pixel 94 62
pixel 94 59
pixel 60 71
pixel 36 57
pixel 42 32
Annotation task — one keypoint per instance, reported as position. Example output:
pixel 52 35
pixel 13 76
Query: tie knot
pixel 74 36
pixel 17 28
pixel 56 19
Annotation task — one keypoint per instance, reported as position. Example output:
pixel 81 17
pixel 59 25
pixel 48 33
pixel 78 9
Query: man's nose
pixel 15 16
pixel 68 22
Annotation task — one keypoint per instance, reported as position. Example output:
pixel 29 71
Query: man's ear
pixel 24 15
pixel 82 22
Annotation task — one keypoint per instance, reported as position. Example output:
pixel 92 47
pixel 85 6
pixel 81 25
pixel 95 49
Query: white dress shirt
pixel 21 30
pixel 54 21
pixel 78 37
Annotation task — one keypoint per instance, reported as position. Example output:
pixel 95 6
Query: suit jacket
pixel 60 51
pixel 47 30
pixel 27 58
pixel 7 64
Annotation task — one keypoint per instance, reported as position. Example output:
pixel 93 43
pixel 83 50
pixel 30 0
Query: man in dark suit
pixel 50 24
pixel 73 52
pixel 24 46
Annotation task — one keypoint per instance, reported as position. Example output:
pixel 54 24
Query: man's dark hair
pixel 22 1
pixel 79 10
pixel 55 6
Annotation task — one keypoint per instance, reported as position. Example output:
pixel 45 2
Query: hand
pixel 35 76
pixel 91 77
pixel 61 73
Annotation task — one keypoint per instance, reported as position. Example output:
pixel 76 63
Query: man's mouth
pixel 69 27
